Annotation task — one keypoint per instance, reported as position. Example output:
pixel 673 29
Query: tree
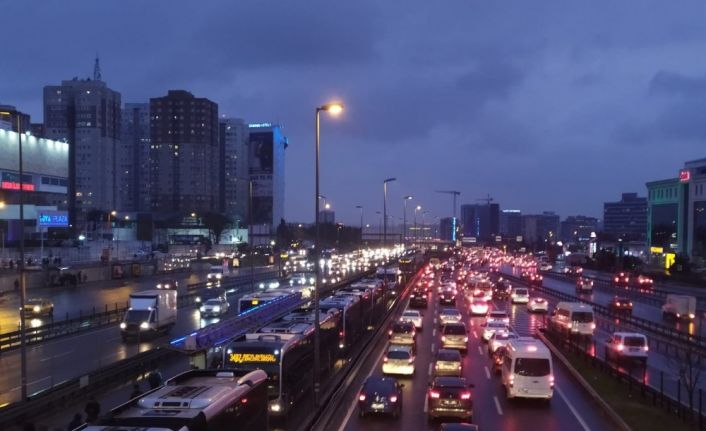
pixel 284 235
pixel 689 365
pixel 216 223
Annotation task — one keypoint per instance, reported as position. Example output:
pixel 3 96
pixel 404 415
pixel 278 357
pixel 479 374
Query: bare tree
pixel 688 364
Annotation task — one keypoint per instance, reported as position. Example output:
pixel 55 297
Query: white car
pixel 500 339
pixel 479 307
pixel 520 295
pixel 214 307
pixel 537 305
pixel 450 315
pixel 413 316
pixel 627 345
pixel 491 328
pixel 498 316
pixel 545 267
pixel 399 359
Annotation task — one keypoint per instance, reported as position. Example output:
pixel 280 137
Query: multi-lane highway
pixel 570 408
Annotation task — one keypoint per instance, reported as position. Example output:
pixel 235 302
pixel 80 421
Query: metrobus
pixel 196 400
pixel 352 319
pixel 252 300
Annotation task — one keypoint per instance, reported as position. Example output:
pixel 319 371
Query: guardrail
pixel 107 316
pixel 60 395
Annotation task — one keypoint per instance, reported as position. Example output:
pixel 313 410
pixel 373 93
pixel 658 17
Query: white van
pixel 573 318
pixel 527 370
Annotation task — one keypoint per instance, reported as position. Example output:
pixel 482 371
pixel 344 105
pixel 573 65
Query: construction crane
pixel 487 199
pixel 455 194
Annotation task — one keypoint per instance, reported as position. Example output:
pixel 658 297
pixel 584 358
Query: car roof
pixel 449 381
pixel 449 311
pixel 412 312
pixel 399 348
pixel 629 334
pixel 498 312
pixel 448 352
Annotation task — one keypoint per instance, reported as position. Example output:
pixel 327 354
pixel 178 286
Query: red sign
pixel 684 175
pixel 13 185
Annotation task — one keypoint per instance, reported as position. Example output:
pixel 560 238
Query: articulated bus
pixel 197 400
pixel 285 351
pixel 353 322
pixel 372 298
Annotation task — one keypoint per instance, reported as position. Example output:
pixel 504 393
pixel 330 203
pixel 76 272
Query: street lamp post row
pixel 334 109
pixel 384 209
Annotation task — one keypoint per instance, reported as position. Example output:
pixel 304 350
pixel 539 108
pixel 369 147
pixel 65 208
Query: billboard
pixel 48 218
pixel 261 152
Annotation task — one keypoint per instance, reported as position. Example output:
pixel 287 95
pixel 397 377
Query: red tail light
pixel 434 394
pixel 361 397
pixel 443 338
pixel 244 400
pixel 466 396
pixel 393 399
pixel 384 359
pixel 389 332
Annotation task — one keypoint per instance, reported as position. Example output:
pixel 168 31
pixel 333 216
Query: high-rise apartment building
pixel 578 229
pixel 511 223
pixel 266 166
pixel 626 218
pixel 539 229
pixel 480 221
pixel 134 159
pixel 183 154
pixel 233 171
pixel 86 114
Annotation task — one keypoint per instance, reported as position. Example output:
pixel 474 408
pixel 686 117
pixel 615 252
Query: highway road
pixel 570 409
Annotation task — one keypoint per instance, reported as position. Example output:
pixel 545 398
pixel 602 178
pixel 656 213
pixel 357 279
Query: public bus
pixel 252 300
pixel 196 400
pixel 352 319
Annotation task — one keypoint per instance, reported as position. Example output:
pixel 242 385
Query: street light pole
pixel 333 108
pixel 416 229
pixel 384 210
pixel 23 280
pixel 404 220
pixel 360 207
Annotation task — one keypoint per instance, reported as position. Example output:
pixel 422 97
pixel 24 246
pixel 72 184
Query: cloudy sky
pixel 556 105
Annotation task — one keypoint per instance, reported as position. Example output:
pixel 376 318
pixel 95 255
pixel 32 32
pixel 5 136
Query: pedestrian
pixel 154 379
pixel 93 409
pixel 76 422
pixel 136 392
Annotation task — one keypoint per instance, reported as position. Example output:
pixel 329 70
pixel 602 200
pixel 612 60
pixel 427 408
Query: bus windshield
pixel 246 359
pixel 532 367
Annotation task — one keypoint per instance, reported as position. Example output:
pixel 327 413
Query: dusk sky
pixel 544 105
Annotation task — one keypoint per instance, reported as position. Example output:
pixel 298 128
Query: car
pixel 413 316
pixel 502 290
pixel 449 315
pixel 537 305
pixel 643 282
pixel 574 270
pixel 169 284
pixel 458 426
pixel 497 357
pixel 490 328
pixel 399 359
pixel 402 333
pixel 37 307
pixel 500 339
pixel 545 267
pixel 449 397
pixel 520 295
pixel 621 304
pixel 584 285
pixel 534 279
pixel 479 306
pixel 418 299
pixel 627 346
pixel 454 336
pixel 447 298
pixel 448 362
pixel 214 307
pixel 380 395
pixel 498 316
pixel 621 279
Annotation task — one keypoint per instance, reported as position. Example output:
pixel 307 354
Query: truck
pixel 150 312
pixel 679 307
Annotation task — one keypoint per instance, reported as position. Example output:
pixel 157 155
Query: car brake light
pixel 551 380
pixel 616 279
pixel 443 338
pixel 621 347
pixel 393 399
pixel 361 397
pixel 434 394
pixel 384 359
pixel 593 326
pixel 389 332
pixel 466 396
pixel 411 360
pixel 465 339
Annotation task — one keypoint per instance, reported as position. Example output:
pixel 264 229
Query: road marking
pixel 433 332
pixel 426 405
pixel 349 413
pixel 487 373
pixel 435 320
pixel 572 408
pixel 56 356
pixel 429 369
pixel 497 405
pixel 475 334
pixel 432 348
pixel 480 350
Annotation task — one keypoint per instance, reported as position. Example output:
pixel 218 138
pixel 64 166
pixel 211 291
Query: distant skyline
pixel 557 106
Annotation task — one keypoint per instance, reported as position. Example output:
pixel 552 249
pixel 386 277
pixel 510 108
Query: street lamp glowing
pixel 328 206
pixel 113 213
pixel 419 208
pixel 333 108
pixel 193 214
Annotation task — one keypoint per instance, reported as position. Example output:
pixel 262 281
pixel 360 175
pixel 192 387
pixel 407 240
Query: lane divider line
pixel 433 332
pixel 480 350
pixel 573 409
pixel 497 405
pixel 429 369
pixel 487 373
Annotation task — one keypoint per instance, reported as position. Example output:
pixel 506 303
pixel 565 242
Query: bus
pixel 252 300
pixel 372 297
pixel 285 351
pixel 196 400
pixel 352 319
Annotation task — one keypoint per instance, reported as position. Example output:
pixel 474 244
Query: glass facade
pixel 664 225
pixel 699 245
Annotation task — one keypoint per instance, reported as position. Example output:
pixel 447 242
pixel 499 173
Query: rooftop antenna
pixel 97 70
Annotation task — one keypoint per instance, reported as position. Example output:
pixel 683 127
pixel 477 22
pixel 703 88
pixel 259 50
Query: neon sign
pixel 240 358
pixel 684 175
pixel 53 219
pixel 14 185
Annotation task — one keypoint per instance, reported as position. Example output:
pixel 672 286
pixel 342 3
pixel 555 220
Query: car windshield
pixel 448 356
pixel 532 367
pixel 521 291
pixel 450 312
pixel 454 330
pixel 398 354
pixel 496 325
pixel 379 386
pixel 582 316
pixel 402 328
pixel 634 341
pixel 213 302
pixel 498 314
pixel 410 314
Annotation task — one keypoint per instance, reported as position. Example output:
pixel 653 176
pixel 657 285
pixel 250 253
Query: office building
pixel 511 223
pixel 664 224
pixel 9 116
pixel 134 159
pixel 266 146
pixel 627 218
pixel 183 155
pixel 45 165
pixel 540 229
pixel 578 229
pixel 233 171
pixel 480 221
pixel 447 229
pixel 86 114
pixel 693 180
